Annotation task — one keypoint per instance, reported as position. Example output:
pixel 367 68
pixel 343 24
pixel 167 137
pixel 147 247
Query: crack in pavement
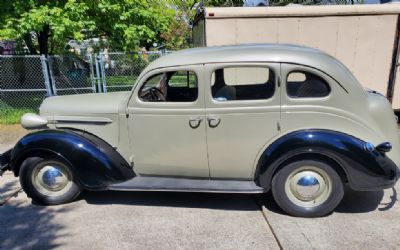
pixel 14 194
pixel 269 224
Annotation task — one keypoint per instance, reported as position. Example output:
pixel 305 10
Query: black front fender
pixel 364 169
pixel 95 163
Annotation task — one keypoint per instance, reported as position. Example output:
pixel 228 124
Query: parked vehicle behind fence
pixel 230 119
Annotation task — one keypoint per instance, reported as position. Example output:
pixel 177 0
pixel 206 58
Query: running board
pixel 141 183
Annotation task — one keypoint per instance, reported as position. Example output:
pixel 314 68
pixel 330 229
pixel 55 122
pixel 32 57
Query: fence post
pixel 45 70
pixel 103 72
pixel 98 74
pixel 92 77
pixel 52 80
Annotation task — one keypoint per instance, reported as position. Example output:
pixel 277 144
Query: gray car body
pixel 155 138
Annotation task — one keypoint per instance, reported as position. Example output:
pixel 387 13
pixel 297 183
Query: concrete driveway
pixel 135 220
pixel 151 220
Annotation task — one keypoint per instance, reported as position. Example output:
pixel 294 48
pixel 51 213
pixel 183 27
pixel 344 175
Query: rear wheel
pixel 307 188
pixel 48 181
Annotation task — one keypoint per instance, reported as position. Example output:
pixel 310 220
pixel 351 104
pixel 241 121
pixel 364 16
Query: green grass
pixel 120 80
pixel 11 115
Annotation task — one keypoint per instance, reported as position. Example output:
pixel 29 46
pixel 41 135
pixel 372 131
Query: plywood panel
pixel 288 30
pixel 374 51
pixel 318 33
pixel 257 30
pixel 221 32
pixel 345 47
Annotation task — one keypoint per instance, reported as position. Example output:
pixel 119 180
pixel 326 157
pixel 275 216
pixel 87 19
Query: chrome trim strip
pixel 190 190
pixel 79 119
pixel 170 184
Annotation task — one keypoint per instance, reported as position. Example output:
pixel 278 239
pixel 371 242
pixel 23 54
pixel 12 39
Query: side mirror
pixel 384 147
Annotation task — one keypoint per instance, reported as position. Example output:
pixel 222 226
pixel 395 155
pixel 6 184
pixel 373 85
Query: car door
pixel 167 133
pixel 243 112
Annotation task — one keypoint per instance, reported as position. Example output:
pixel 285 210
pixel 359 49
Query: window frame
pixel 166 71
pixel 134 104
pixel 266 65
pixel 309 72
pixel 187 77
pixel 287 68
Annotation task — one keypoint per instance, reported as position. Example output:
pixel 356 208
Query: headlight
pixel 33 121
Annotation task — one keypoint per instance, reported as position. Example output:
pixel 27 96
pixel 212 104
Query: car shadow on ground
pixel 30 227
pixel 241 202
pixel 25 226
pixel 353 202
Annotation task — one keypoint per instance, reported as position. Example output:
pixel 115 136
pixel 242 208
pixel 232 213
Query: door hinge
pixel 278 126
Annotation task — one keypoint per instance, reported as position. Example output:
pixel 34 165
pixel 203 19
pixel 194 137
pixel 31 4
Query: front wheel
pixel 48 181
pixel 307 188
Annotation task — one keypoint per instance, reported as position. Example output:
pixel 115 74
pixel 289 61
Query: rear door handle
pixel 213 122
pixel 195 122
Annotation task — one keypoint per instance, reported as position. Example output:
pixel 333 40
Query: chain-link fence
pixel 70 75
pixel 120 70
pixel 26 80
pixel 22 82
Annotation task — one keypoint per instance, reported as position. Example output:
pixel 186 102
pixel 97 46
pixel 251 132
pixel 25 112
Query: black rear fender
pixel 362 169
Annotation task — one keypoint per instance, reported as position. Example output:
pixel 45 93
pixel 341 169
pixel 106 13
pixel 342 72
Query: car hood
pixel 84 104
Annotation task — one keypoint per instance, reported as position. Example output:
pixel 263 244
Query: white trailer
pixel 364 37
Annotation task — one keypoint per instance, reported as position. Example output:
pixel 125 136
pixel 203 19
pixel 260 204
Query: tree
pixel 45 26
pixel 224 3
pixel 179 34
pixel 129 24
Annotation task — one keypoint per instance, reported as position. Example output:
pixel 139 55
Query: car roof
pixel 247 53
pixel 239 53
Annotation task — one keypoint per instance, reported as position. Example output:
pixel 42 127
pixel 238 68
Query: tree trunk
pixel 43 40
pixel 28 42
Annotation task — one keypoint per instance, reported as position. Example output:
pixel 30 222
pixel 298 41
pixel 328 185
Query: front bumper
pixel 5 161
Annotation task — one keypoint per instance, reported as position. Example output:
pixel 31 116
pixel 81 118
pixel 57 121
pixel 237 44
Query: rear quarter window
pixel 302 84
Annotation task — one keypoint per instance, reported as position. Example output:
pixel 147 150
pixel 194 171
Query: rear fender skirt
pixel 364 170
pixel 95 163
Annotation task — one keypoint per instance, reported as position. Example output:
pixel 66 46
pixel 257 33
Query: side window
pixel 172 86
pixel 242 83
pixel 302 84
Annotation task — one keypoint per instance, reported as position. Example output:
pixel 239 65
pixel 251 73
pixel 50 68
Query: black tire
pixel 26 176
pixel 287 199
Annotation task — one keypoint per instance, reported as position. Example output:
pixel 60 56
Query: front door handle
pixel 195 122
pixel 213 122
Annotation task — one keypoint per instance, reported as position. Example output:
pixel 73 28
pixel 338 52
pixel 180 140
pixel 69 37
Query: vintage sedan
pixel 232 119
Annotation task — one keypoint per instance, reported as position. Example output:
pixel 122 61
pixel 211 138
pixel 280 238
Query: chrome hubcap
pixel 51 179
pixel 308 186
